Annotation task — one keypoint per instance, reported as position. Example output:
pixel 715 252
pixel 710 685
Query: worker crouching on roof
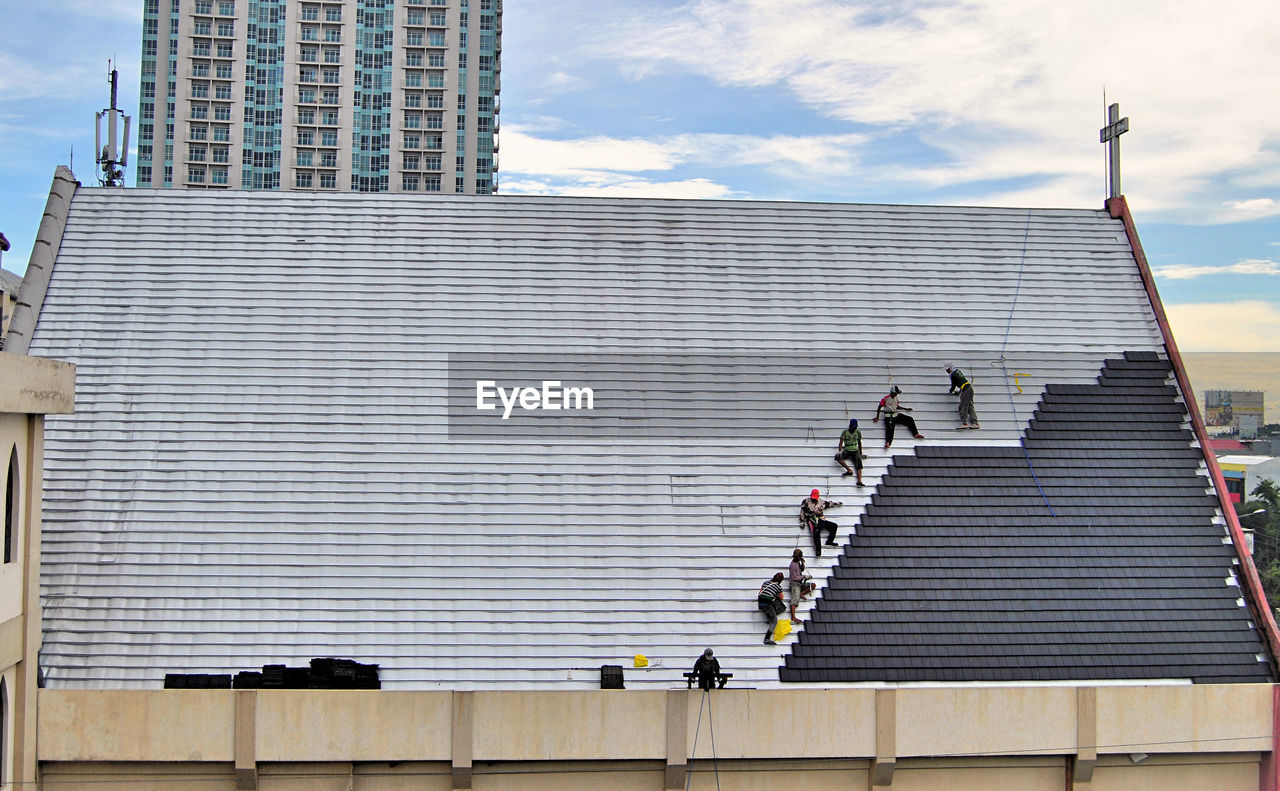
pixel 850 449
pixel 800 581
pixel 707 670
pixel 961 383
pixel 893 416
pixel 811 515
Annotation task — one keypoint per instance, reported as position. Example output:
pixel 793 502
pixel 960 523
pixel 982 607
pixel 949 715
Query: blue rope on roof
pixel 1022 441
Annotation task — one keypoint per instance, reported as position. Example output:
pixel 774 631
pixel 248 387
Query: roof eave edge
pixel 40 266
pixel 1118 208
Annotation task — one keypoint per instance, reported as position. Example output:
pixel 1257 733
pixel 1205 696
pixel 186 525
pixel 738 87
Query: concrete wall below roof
pixel 960 737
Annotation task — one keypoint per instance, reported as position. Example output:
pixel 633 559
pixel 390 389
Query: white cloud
pixel 1007 90
pixel 624 187
pixel 1254 208
pixel 563 82
pixel 585 157
pixel 1252 266
pixel 27 79
pixel 1239 326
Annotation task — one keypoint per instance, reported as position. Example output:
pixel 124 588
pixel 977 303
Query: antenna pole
pixel 113 154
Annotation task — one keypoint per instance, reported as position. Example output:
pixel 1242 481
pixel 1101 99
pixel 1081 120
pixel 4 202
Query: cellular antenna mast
pixel 113 155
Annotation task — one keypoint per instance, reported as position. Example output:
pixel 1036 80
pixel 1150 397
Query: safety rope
pixel 715 760
pixel 1008 327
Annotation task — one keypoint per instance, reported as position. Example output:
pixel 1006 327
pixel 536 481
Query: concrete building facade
pixel 30 388
pixel 367 96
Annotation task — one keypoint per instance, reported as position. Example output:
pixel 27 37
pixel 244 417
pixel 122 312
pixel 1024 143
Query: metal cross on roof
pixel 1110 134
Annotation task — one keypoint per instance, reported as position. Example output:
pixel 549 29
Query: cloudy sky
pixel 980 102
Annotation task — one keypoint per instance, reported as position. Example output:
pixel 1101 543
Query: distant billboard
pixel 1225 408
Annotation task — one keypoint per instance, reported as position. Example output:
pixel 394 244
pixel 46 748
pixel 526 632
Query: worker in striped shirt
pixel 769 600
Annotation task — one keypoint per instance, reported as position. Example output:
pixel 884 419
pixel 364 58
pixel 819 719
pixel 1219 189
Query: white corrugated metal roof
pixel 260 467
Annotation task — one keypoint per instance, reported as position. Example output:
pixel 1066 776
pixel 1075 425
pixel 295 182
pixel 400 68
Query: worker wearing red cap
pixel 811 516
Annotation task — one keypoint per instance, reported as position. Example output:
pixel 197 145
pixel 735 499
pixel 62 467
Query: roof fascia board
pixel 1118 208
pixel 40 267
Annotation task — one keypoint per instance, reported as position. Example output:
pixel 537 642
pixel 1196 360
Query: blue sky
pixel 939 101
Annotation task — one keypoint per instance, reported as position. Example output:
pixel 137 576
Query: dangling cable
pixel 688 772
pixel 715 761
pixel 1008 327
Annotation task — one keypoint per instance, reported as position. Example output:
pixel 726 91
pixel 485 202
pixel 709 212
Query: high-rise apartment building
pixel 365 95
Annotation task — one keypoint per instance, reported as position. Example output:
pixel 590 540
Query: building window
pixel 437 19
pixel 332 76
pixel 309 54
pixel 11 493
pixel 436 60
pixel 310 34
pixel 328 139
pixel 332 55
pixel 332 34
pixel 460 184
pixel 431 184
pixel 221 154
pixel 227 29
pixel 411 161
pixel 204 6
pixel 225 50
pixel 329 180
pixel 328 159
pixel 195 174
pixel 307 95
pixel 227 8
pixel 329 117
pixel 306 137
pixel 303 179
pixel 333 14
pixel 218 175
pixel 307 116
pixel 410 183
pixel 224 71
pixel 310 14
pixel 413 38
pixel 304 159
pixel 4 732
pixel 222 92
pixel 413 59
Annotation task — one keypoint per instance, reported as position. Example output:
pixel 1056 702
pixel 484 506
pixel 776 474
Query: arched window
pixel 11 489
pixel 4 733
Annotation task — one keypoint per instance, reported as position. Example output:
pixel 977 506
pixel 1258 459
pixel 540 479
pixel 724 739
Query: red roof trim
pixel 1118 208
pixel 1227 444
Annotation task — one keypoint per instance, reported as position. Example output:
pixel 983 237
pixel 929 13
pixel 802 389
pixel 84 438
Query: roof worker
pixel 849 449
pixel 801 583
pixel 707 669
pixel 961 383
pixel 769 601
pixel 811 509
pixel 893 416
